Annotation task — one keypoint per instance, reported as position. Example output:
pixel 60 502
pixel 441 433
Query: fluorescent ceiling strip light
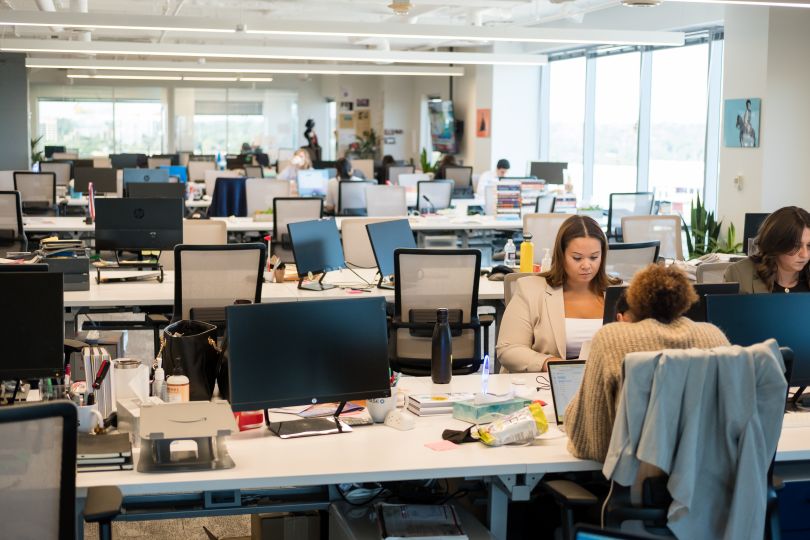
pixel 267 53
pixel 255 79
pixel 796 4
pixel 330 29
pixel 194 67
pixel 128 76
pixel 220 79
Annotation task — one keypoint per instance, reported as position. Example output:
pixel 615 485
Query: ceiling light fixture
pixel 266 53
pixel 641 3
pixel 400 7
pixel 127 76
pixel 431 32
pixel 764 3
pixel 222 67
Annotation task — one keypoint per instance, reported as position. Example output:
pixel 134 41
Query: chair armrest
pixel 103 504
pixel 570 494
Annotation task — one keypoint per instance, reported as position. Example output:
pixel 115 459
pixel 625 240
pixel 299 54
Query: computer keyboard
pixel 796 420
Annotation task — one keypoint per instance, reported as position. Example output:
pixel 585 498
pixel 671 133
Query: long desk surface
pixel 152 293
pixel 76 225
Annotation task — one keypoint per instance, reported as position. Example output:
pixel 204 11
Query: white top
pixel 487 178
pixel 578 331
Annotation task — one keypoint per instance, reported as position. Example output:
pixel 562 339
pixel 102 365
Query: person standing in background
pixel 490 178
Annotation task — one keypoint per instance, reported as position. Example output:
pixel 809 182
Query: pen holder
pixel 378 408
pixel 278 275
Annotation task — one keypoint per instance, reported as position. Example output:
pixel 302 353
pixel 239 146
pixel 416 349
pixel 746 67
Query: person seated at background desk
pixel 299 161
pixel 783 252
pixel 657 297
pixel 344 174
pixel 448 160
pixel 490 178
pixel 551 315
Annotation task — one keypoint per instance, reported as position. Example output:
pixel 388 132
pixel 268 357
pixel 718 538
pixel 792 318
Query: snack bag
pixel 519 427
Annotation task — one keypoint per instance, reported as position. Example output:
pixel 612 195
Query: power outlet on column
pixel 738 182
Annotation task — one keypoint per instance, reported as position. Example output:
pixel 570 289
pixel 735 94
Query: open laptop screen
pixel 565 378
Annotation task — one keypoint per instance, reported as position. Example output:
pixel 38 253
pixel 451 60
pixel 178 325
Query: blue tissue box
pixel 484 413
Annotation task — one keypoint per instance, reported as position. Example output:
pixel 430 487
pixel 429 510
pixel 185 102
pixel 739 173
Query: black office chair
pixel 625 259
pixel 639 203
pixel 425 280
pixel 352 197
pixel 655 499
pixel 38 452
pixel 12 233
pixel 751 228
pixel 37 191
pixel 288 210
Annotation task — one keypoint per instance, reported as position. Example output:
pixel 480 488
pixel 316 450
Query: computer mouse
pixel 401 420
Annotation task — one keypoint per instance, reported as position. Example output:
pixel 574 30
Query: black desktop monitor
pixel 550 171
pixel 297 353
pixel 317 249
pixel 50 150
pixel 157 190
pixel 751 228
pixel 128 161
pixel 145 175
pixel 31 325
pixel 697 312
pixel 385 237
pixel 89 163
pixel 104 180
pixel 138 224
pixel 752 318
pixel 324 164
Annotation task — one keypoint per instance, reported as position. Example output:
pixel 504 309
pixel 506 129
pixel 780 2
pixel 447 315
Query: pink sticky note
pixel 442 446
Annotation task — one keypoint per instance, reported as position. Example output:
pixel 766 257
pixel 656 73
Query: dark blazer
pixel 743 272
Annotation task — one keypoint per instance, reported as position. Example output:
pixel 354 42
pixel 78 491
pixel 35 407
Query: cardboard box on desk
pixel 286 526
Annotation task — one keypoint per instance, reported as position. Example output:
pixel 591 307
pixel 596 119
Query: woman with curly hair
pixel 783 253
pixel 657 297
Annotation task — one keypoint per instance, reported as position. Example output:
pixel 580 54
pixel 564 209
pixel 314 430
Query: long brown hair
pixel 780 234
pixel 579 227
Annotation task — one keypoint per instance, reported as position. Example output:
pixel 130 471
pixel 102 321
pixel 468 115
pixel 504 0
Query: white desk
pixel 81 202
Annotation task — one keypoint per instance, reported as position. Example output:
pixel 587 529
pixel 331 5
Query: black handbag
pixel 193 346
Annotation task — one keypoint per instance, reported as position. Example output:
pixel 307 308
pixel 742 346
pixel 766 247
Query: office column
pixel 14 138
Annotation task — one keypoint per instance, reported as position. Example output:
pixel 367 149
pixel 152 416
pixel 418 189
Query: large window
pixel 678 124
pixel 615 125
pixel 139 127
pixel 566 116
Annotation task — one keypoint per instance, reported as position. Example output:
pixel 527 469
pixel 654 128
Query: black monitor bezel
pixel 80 186
pixel 111 244
pixel 305 273
pixel 375 247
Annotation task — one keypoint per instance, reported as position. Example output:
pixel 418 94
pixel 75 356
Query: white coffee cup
pixel 89 418
pixel 378 408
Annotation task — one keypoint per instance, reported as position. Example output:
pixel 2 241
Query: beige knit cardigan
pixel 590 415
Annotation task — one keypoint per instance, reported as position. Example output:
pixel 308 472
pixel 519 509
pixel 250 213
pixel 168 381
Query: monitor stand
pixel 306 427
pixel 382 284
pixel 799 402
pixel 131 265
pixel 315 285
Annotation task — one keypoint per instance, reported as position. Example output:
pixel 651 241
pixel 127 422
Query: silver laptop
pixel 565 378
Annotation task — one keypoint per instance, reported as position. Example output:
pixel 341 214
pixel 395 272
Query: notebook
pixel 565 378
pixel 96 447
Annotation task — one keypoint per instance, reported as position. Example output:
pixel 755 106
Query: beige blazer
pixel 533 326
pixel 743 272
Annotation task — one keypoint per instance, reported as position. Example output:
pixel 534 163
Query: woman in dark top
pixel 783 253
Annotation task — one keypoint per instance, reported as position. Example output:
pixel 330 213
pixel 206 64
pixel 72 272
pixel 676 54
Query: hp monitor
pixel 62 169
pixel 385 237
pixel 139 224
pixel 312 182
pixel 298 353
pixel 51 150
pixel 145 175
pixel 128 161
pixel 157 190
pixel 32 324
pixel 697 312
pixel 550 171
pixel 752 318
pixel 104 180
pixel 317 249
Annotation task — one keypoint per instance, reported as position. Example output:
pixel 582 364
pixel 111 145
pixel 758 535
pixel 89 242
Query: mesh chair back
pixel 393 171
pixel 260 193
pixel 198 232
pixel 216 276
pixel 100 162
pixel 254 171
pixel 6 180
pixel 510 284
pixel 155 162
pixel 628 204
pixel 366 166
pixel 357 248
pixel 711 272
pixel 36 189
pixel 11 212
pixel 62 169
pixel 544 229
pixel 434 195
pixel 288 210
pixel 461 176
pixel 665 229
pixel 211 176
pixel 38 452
pixel 352 197
pixel 544 204
pixel 624 260
pixel 197 169
pixel 386 201
pixel 409 181
pixel 428 279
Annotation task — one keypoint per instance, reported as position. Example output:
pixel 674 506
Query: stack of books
pixel 430 404
pixel 508 202
pixel 111 452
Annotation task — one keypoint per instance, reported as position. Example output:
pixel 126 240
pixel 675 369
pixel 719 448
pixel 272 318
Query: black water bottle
pixel 441 359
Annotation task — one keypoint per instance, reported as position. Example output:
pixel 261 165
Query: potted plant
pixel 592 210
pixel 703 236
pixel 424 162
pixel 366 146
pixel 36 155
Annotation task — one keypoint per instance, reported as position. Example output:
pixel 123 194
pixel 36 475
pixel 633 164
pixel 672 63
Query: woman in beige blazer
pixel 568 295
pixel 781 264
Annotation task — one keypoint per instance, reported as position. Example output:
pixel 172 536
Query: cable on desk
pixel 543 382
pixel 349 266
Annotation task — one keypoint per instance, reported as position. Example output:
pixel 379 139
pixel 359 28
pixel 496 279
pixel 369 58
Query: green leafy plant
pixel 366 146
pixel 592 207
pixel 729 243
pixel 703 234
pixel 36 155
pixel 424 162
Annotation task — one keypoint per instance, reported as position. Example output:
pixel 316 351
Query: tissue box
pixel 484 413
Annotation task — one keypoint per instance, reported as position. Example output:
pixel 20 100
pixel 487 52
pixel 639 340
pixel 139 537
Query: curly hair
pixel 660 293
pixel 779 234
